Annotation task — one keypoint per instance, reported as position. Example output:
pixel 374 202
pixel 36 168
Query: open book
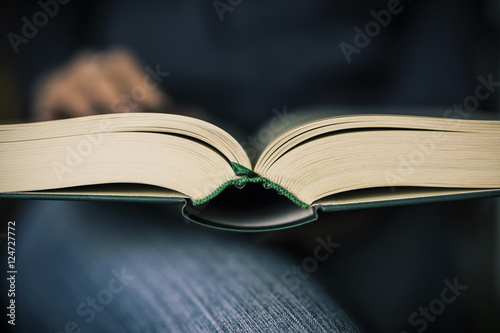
pixel 332 163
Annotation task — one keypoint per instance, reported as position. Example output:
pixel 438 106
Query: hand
pixel 93 83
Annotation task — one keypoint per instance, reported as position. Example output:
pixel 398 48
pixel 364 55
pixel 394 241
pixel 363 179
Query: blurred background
pixel 391 261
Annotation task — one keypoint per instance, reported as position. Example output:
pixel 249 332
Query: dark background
pixel 430 55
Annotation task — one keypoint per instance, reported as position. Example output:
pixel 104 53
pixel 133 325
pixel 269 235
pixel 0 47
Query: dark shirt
pixel 268 54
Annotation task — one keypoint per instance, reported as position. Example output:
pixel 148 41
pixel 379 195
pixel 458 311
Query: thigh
pixel 131 268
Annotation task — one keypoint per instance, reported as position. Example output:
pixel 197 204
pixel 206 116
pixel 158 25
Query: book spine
pixel 248 176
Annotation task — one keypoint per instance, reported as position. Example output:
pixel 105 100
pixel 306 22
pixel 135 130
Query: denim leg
pixel 109 267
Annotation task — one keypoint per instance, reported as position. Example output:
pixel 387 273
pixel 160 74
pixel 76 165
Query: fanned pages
pixel 322 163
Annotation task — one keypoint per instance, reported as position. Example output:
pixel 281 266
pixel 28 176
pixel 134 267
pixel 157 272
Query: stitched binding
pixel 250 177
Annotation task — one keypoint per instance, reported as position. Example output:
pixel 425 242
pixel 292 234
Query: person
pixel 106 267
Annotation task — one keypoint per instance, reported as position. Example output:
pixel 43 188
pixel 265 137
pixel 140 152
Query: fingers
pixel 57 98
pixel 88 77
pixel 97 83
pixel 125 72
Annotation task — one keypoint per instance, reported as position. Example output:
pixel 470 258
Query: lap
pixel 126 267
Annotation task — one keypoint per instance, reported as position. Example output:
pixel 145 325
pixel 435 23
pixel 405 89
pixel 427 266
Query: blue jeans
pixel 115 267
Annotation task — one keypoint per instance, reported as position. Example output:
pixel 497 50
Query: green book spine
pixel 248 176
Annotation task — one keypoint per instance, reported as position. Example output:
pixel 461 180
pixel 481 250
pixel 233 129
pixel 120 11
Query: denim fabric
pixel 107 267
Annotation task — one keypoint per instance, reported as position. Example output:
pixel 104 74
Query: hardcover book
pixel 331 163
